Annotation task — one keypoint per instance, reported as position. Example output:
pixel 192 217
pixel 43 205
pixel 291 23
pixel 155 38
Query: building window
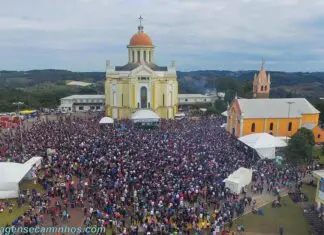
pixel 138 56
pixel 318 136
pixel 122 100
pixel 92 107
pixel 133 57
pixel 138 105
pixel 163 100
pixel 145 56
pixel 265 88
pixel 261 88
pixel 97 107
pixel 289 126
pixel 253 127
pixel 271 126
pixel 69 108
pixel 186 100
pixel 81 108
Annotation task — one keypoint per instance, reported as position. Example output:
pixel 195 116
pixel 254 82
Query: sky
pixel 80 35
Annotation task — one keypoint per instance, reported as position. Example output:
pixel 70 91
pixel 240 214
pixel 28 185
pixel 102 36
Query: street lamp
pixel 289 103
pixel 18 108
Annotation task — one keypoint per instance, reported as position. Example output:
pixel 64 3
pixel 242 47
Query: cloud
pixel 211 34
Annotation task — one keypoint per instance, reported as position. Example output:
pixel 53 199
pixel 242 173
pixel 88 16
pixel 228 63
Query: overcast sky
pixel 80 35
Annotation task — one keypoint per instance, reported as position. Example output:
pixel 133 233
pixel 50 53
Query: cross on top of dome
pixel 140 27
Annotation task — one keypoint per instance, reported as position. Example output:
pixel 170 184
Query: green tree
pixel 220 106
pixel 300 146
pixel 319 104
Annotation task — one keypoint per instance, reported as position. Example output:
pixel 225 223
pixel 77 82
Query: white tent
pixel 34 161
pixel 10 175
pixel 238 180
pixel 145 115
pixel 224 114
pixel 264 143
pixel 179 116
pixel 106 120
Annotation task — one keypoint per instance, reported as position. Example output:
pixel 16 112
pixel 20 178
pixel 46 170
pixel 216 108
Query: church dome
pixel 140 39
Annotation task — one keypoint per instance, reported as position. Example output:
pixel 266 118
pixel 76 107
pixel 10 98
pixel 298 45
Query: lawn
pixel 310 191
pixel 289 216
pixel 6 217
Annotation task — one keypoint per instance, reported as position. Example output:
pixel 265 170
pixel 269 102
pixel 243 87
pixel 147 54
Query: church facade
pixel 141 84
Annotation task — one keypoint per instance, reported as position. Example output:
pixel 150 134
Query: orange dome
pixel 140 39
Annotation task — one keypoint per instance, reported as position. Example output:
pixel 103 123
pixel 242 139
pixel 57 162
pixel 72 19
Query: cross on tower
pixel 140 19
pixel 263 61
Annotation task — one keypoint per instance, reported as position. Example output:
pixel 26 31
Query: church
pixel 141 84
pixel 278 117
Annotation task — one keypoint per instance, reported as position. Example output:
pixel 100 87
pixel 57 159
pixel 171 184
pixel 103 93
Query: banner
pixel 321 189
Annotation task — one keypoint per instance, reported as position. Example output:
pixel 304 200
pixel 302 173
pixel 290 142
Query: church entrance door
pixel 143 97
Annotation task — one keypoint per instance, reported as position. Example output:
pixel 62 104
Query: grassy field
pixel 310 191
pixel 289 216
pixel 5 216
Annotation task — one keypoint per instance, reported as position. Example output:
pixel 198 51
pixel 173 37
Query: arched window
pixel 253 127
pixel 133 57
pixel 289 126
pixel 271 126
pixel 265 88
pixel 163 98
pixel 145 56
pixel 150 56
pixel 143 97
pixel 318 136
pixel 261 88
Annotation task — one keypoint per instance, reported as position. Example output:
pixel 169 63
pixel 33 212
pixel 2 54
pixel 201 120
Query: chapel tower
pixel 261 83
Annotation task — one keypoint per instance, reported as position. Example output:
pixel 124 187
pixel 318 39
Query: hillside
pixel 44 88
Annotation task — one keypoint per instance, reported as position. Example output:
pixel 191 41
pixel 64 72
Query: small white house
pixel 82 103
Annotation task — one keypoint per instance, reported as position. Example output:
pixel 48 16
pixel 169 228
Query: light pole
pixel 18 108
pixel 289 103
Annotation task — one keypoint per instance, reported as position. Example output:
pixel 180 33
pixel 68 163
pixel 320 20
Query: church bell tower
pixel 261 84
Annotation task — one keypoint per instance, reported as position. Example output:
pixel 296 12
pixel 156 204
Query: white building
pixel 189 99
pixel 82 103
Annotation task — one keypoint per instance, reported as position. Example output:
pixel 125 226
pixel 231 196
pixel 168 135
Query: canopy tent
pixel 106 120
pixel 179 116
pixel 238 180
pixel 264 143
pixel 224 125
pixel 34 161
pixel 145 116
pixel 10 175
pixel 224 114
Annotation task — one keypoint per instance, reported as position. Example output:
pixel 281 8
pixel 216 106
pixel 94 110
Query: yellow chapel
pixel 278 117
pixel 141 84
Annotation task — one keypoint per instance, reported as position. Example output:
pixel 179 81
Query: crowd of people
pixel 168 179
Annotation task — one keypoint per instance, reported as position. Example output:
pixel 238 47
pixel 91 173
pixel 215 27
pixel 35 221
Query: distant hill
pixel 298 83
pixel 46 87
